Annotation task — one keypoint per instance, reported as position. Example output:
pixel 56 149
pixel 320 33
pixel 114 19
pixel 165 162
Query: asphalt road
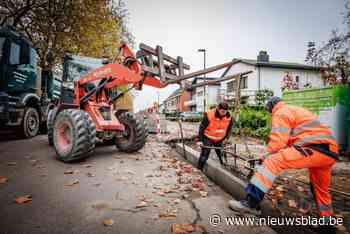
pixel 79 197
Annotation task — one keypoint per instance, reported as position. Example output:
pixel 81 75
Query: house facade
pixel 201 96
pixel 176 102
pixel 268 74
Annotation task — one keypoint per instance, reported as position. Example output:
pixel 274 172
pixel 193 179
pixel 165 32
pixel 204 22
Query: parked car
pixel 191 116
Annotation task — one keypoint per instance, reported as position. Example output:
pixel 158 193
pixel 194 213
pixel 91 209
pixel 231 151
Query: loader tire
pixel 49 124
pixel 135 134
pixel 74 135
pixel 91 127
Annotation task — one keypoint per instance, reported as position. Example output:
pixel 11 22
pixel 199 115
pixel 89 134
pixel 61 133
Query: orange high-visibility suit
pixel 295 131
pixel 217 128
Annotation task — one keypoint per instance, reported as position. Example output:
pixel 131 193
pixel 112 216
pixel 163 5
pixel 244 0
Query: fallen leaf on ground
pixel 168 214
pixel 168 190
pixel 89 174
pixel 203 194
pixel 121 178
pixel 72 183
pixel 145 199
pixel 142 204
pixel 176 201
pixel 67 172
pixel 184 180
pixel 187 168
pixel 179 172
pixel 182 228
pixel 292 203
pixel 301 189
pixel 23 199
pixel 160 193
pixel 304 211
pixel 108 222
pixel 3 180
pixel 198 183
pixel 274 203
pixel 130 172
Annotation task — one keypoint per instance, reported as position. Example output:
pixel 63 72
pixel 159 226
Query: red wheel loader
pixel 85 112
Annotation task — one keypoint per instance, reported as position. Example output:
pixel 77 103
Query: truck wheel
pixel 30 123
pixel 73 135
pixel 135 134
pixel 50 121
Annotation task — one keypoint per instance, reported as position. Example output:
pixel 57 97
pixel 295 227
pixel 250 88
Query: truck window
pixel 2 42
pixel 15 54
pixel 33 57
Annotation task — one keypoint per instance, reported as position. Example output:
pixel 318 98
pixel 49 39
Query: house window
pixel 244 82
pixel 231 86
pixel 297 81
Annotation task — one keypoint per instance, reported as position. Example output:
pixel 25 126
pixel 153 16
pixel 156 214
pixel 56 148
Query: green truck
pixel 26 92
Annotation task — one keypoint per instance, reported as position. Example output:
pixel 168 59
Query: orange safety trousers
pixel 319 166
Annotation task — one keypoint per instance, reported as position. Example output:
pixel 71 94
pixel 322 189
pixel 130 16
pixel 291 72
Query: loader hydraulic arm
pixel 149 66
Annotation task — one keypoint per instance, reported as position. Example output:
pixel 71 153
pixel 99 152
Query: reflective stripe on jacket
pixel 293 125
pixel 217 128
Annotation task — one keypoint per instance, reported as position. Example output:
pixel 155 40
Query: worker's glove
pixel 197 139
pixel 264 156
pixel 226 142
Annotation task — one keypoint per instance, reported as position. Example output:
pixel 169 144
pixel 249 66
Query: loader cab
pixel 75 67
pixel 18 63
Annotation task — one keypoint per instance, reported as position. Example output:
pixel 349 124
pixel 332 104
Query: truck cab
pixel 22 105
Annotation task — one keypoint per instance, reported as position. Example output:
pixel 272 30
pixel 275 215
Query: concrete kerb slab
pixel 228 182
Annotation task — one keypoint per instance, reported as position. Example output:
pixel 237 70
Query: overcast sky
pixel 228 29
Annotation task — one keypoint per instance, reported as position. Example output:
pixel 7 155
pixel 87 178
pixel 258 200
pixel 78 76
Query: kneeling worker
pixel 297 140
pixel 213 130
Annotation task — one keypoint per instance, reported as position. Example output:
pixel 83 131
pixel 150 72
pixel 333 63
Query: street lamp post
pixel 204 76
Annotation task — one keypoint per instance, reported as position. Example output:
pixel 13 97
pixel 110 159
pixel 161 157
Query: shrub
pixel 254 121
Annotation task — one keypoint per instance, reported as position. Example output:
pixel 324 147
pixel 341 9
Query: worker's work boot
pixel 245 207
pixel 200 165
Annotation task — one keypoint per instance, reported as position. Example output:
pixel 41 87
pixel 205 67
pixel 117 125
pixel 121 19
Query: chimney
pixel 263 57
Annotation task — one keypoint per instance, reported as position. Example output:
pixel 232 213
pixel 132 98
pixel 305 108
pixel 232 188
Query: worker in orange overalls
pixel 213 130
pixel 297 140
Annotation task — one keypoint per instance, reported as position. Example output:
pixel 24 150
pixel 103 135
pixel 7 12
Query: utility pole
pixel 204 51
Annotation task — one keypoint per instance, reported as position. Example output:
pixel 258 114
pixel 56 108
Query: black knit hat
pixel 271 103
pixel 223 106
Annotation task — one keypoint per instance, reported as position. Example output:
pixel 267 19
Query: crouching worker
pixel 297 140
pixel 213 130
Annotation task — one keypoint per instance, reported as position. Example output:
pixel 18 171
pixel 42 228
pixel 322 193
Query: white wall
pixel 199 99
pixel 241 67
pixel 211 97
pixel 272 78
